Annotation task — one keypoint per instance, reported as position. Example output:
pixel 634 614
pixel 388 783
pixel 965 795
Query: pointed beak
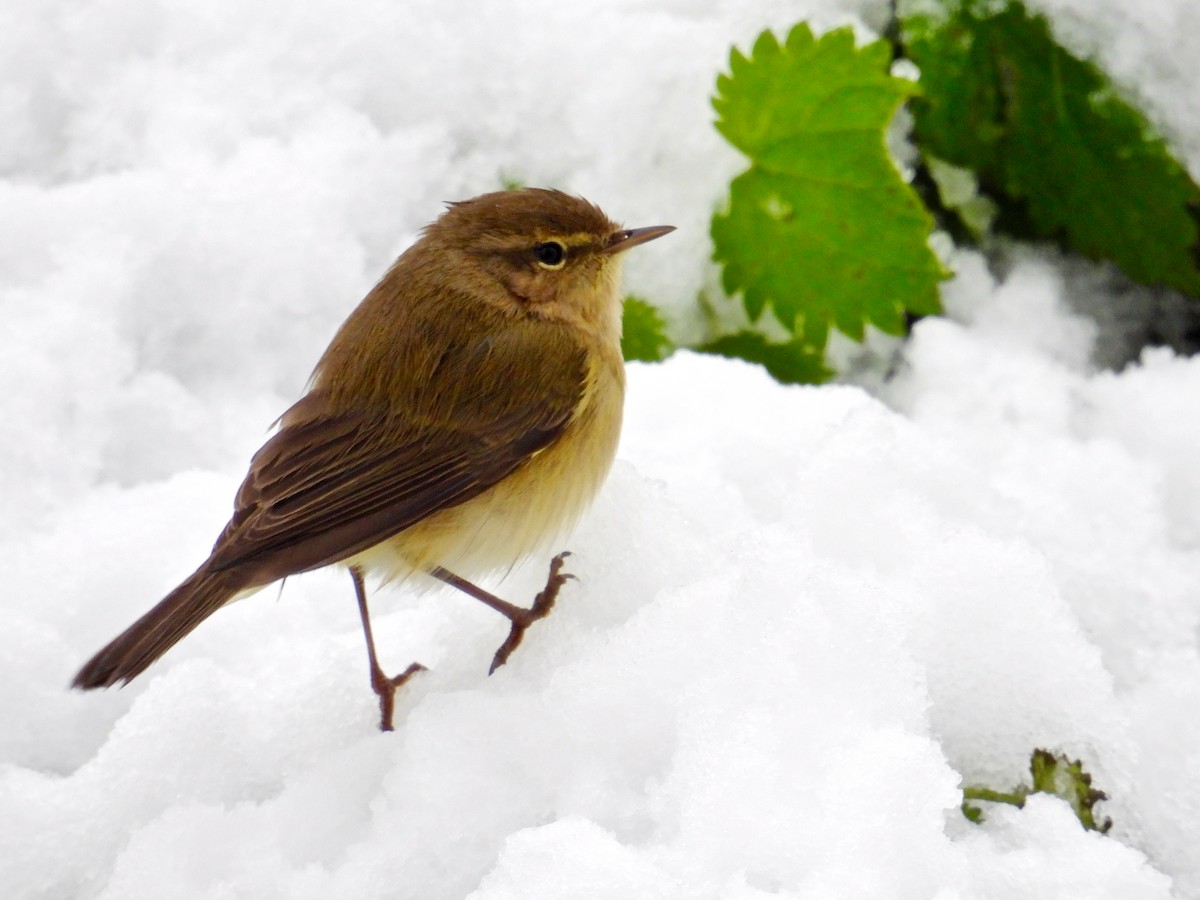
pixel 623 240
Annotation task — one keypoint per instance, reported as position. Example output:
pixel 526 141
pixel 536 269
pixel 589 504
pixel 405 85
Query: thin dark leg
pixel 383 686
pixel 520 617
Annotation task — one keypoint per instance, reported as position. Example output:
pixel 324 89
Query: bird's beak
pixel 623 240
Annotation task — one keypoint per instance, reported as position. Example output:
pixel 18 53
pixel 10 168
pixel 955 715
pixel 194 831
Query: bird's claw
pixel 542 604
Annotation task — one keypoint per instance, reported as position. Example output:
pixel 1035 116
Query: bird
pixel 462 418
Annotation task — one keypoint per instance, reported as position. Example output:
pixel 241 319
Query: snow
pixel 805 617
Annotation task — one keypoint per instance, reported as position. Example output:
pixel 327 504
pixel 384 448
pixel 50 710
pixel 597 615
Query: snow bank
pixel 804 617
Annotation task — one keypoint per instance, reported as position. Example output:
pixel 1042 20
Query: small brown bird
pixel 463 417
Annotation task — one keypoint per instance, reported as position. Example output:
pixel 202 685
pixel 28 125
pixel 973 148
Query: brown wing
pixel 329 485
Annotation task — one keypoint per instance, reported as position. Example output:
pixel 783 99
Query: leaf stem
pixel 1014 798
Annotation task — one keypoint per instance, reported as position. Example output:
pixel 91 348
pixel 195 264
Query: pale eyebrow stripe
pixel 574 243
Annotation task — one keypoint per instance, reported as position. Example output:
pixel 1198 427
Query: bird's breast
pixel 530 509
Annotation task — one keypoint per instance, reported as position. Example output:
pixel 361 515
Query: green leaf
pixel 821 228
pixel 1066 778
pixel 1051 141
pixel 643 332
pixel 972 812
pixel 1052 774
pixel 790 363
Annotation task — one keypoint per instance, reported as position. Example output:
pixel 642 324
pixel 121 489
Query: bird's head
pixel 552 255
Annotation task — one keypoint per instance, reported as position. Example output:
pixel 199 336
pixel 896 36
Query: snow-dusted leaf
pixel 1064 777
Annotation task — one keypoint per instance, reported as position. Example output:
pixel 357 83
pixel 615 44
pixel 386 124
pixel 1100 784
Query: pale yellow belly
pixel 527 512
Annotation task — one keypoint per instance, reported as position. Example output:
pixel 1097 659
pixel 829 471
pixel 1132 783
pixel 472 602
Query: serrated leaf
pixel 1066 778
pixel 1052 142
pixel 822 227
pixel 1054 774
pixel 816 109
pixel 790 363
pixel 643 332
pixel 822 255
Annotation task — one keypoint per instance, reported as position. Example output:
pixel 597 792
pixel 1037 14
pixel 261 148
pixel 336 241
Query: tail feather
pixel 128 655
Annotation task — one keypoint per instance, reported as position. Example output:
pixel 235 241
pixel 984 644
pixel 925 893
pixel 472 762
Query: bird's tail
pixel 128 655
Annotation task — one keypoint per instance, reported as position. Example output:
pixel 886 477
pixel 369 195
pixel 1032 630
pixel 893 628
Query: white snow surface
pixel 804 619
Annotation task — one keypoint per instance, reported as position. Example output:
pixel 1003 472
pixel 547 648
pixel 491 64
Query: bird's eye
pixel 550 255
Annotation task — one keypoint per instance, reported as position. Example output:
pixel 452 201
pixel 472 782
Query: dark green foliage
pixel 822 231
pixel 790 363
pixel 1051 141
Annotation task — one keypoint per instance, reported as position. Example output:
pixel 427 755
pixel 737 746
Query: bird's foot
pixel 385 687
pixel 521 618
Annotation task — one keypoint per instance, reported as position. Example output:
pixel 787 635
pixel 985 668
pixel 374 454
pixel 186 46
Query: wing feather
pixel 330 484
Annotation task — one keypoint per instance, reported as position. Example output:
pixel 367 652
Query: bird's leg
pixel 520 617
pixel 383 686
